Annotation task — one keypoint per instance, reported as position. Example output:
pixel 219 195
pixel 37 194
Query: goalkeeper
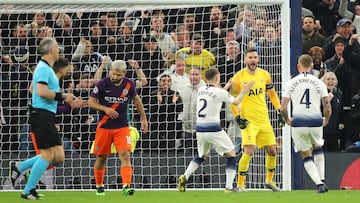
pixel 253 118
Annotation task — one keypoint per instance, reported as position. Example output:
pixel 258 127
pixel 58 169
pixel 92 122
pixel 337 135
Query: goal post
pixel 154 168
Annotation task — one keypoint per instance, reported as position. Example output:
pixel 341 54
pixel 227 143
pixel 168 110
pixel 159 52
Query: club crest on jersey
pixel 95 90
pixel 125 91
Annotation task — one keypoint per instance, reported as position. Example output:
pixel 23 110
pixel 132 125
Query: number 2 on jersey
pixel 202 115
pixel 305 99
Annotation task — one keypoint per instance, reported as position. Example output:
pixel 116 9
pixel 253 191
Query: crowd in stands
pixel 167 52
pixel 330 35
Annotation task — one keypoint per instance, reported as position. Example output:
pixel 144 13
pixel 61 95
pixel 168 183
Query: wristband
pixel 59 96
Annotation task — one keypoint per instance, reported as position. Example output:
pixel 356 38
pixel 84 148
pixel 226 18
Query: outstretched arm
pixel 244 90
pixel 343 11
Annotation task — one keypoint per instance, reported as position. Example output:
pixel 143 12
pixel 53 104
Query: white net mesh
pixel 151 35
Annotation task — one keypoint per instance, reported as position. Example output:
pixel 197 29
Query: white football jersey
pixel 306 92
pixel 209 102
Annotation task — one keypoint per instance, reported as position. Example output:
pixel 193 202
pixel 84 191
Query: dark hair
pixel 111 15
pixel 67 80
pixel 210 73
pixel 225 32
pixel 60 64
pixel 308 16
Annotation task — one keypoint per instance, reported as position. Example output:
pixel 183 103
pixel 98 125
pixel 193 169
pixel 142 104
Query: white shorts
pixel 220 141
pixel 305 137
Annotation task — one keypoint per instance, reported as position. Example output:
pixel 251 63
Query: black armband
pixel 59 97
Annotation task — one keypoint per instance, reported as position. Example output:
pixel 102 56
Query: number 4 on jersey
pixel 305 99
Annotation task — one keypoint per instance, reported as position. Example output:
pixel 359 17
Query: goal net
pixel 151 35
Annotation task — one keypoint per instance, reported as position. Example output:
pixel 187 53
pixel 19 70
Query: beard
pixel 115 81
pixel 252 66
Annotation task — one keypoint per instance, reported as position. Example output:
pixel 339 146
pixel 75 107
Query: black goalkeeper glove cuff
pixel 242 122
pixel 281 119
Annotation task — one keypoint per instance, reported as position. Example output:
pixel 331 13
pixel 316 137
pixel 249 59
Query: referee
pixel 45 97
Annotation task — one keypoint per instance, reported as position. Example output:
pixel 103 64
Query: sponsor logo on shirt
pixel 113 100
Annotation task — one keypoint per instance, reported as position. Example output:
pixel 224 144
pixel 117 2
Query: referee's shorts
pixel 43 125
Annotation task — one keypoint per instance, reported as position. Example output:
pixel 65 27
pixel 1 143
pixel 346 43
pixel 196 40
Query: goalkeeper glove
pixel 281 119
pixel 242 122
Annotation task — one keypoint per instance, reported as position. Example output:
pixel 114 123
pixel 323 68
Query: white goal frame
pixel 285 46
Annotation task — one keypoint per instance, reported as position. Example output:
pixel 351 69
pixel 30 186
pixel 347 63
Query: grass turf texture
pixel 193 196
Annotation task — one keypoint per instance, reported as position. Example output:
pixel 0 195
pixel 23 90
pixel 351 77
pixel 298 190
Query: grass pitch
pixel 192 196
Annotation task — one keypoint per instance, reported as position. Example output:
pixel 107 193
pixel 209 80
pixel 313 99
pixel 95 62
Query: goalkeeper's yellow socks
pixel 270 164
pixel 99 176
pixel 243 168
pixel 126 174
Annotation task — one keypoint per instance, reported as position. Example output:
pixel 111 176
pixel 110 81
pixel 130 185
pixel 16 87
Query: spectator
pixel 319 68
pixel 7 22
pixel 348 75
pixel 344 29
pixel 352 56
pixel 332 138
pixel 189 23
pixel 152 63
pixel 111 28
pixel 355 18
pixel 179 77
pixel 15 82
pixel 127 43
pixel 111 32
pixel 166 105
pixel 355 118
pixel 38 22
pixel 355 7
pixel 84 129
pixel 310 36
pixel 19 36
pixel 96 37
pixel 337 59
pixel 196 55
pixel 182 37
pixel 164 40
pixel 88 60
pixel 243 25
pixel 269 49
pixel 258 31
pixel 189 95
pixel 67 35
pixel 230 63
pixel 212 30
pixel 219 50
pixel 326 12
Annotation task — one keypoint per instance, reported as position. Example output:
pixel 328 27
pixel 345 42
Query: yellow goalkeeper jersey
pixel 253 107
